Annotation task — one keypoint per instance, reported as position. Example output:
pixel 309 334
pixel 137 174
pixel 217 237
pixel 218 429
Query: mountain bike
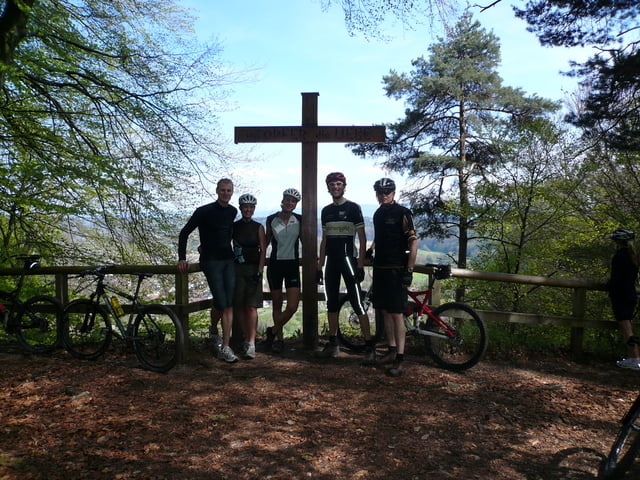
pixel 454 335
pixel 154 330
pixel 35 322
pixel 625 448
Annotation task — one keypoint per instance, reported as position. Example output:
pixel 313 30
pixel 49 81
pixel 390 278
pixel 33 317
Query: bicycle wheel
pixel 38 324
pixel 626 447
pixel 465 342
pixel 86 330
pixel 158 338
pixel 349 332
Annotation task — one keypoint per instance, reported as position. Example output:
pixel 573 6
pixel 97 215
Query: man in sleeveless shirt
pixel 249 245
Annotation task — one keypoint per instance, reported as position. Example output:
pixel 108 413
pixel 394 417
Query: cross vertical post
pixel 309 223
pixel 308 135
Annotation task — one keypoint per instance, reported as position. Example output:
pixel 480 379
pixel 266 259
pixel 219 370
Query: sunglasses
pixel 385 192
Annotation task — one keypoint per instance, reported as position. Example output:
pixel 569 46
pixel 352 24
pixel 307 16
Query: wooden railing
pixel 183 305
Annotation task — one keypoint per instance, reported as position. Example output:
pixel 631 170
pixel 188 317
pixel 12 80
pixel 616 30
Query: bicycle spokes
pixel 457 338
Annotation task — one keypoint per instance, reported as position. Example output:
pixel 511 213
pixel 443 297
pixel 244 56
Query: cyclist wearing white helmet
pixel 622 292
pixel 283 233
pixel 249 244
pixel 214 222
pixel 341 221
pixel 392 268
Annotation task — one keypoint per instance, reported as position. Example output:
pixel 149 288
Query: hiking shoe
pixel 250 351
pixel 396 370
pixel 369 359
pixel 227 355
pixel 278 346
pixel 630 363
pixel 329 351
pixel 388 359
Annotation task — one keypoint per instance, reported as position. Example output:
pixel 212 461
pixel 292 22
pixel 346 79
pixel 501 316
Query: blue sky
pixel 292 46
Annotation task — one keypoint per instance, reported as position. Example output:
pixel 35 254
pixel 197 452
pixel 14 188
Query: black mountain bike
pixel 36 321
pixel 626 447
pixel 154 330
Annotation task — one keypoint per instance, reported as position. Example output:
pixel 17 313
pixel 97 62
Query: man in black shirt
pixel 341 221
pixel 396 247
pixel 214 222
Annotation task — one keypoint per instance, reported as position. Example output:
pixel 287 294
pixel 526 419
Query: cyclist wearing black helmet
pixel 283 232
pixel 249 244
pixel 341 221
pixel 622 292
pixel 392 268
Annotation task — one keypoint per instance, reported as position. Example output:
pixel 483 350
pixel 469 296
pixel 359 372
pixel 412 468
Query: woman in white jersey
pixel 283 233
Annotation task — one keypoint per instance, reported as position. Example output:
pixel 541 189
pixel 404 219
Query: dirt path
pixel 293 417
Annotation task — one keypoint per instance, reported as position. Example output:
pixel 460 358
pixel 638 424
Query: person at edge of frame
pixel 622 292
pixel 396 246
pixel 214 222
pixel 341 221
pixel 283 233
pixel 249 247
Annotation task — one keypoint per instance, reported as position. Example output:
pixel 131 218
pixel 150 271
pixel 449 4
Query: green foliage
pixel 105 116
pixel 454 100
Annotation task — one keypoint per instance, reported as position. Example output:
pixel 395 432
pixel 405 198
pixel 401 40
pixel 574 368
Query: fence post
pixel 62 287
pixel 182 305
pixel 577 333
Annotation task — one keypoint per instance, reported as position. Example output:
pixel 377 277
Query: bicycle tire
pixel 158 338
pixel 38 324
pixel 86 329
pixel 349 332
pixel 626 447
pixel 469 344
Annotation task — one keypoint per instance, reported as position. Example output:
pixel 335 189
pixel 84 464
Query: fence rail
pixel 183 305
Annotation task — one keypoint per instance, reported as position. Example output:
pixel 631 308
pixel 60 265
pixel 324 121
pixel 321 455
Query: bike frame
pixel 422 307
pixel 101 293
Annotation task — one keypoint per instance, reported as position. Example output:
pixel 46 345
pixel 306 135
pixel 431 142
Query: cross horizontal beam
pixel 310 134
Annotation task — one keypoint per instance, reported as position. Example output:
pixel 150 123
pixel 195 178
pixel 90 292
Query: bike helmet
pixel 247 199
pixel 292 192
pixel 336 177
pixel 622 234
pixel 384 185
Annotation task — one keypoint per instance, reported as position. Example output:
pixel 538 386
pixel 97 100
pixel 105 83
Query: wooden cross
pixel 309 134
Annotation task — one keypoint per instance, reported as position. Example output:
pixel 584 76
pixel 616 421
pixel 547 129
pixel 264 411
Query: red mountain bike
pixel 453 334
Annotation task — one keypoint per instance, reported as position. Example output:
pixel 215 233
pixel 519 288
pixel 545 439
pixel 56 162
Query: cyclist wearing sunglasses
pixel 396 247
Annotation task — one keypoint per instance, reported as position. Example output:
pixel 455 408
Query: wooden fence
pixel 184 306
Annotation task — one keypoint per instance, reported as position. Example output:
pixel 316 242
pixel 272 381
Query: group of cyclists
pixel 233 258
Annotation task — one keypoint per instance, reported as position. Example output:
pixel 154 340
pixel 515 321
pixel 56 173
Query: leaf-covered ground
pixel 292 416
